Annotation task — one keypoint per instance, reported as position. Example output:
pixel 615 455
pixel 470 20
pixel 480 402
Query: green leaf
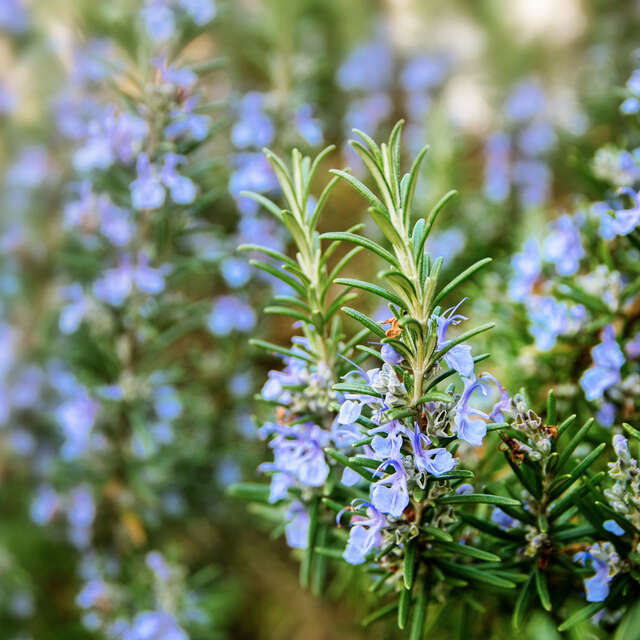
pixel 346 296
pixel 634 433
pixel 342 263
pixel 573 292
pixel 461 338
pixel 438 534
pixel 409 564
pixel 581 615
pixel 274 271
pixel 251 491
pixel 329 552
pixel 363 242
pixel 265 202
pixel 371 288
pixel 522 603
pixel 467 550
pixel 404 607
pixel 305 567
pixel 566 423
pixel 354 387
pixel 412 182
pixel 336 455
pixel 433 214
pixel 551 407
pixel 420 612
pixel 269 346
pixel 543 590
pixel 436 396
pixel 478 498
pixel 477 575
pixel 380 613
pixel 364 191
pixel 285 311
pixel 573 443
pixel 292 301
pixel 272 253
pixel 374 327
pixel 321 201
pixel 467 273
pixel 488 527
pixel 576 472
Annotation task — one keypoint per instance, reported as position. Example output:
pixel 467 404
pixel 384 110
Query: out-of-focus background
pixel 126 379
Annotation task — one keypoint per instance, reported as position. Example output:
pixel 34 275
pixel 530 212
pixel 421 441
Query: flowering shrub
pixel 455 492
pixel 379 445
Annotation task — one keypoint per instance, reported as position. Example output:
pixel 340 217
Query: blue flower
pixel 365 534
pixel 183 190
pixel 390 355
pixel 608 360
pixel 423 73
pixel 630 106
pixel 200 11
pixel 254 128
pixel 537 138
pixel 297 528
pixel 44 505
pixel 503 520
pixel 155 625
pixel 75 309
pixel 604 561
pixel 527 267
pixel 496 175
pixel 368 68
pixel 525 101
pixel 229 313
pixel 308 127
pixel 146 191
pixel 563 247
pixel 184 120
pixel 623 221
pixel 390 494
pixel 613 527
pixel 548 320
pixel 459 358
pixel 158 20
pixel 470 424
pixel 434 461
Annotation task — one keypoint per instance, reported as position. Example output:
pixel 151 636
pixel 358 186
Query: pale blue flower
pixel 613 527
pixel 365 534
pixel 605 372
pixel 390 494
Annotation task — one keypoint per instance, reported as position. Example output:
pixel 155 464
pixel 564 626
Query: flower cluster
pixel 570 290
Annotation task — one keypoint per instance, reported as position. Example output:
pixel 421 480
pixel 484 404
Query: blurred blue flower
pixel 297 527
pixel 44 504
pixel 308 127
pixel 390 494
pixel 365 533
pixel 229 313
pixel 254 128
pixel 367 68
pixel 563 246
pixel 503 520
pixel 548 319
pixel 525 101
pixel 608 360
pixel 155 625
pixel 496 176
pixel 236 272
pixel 158 20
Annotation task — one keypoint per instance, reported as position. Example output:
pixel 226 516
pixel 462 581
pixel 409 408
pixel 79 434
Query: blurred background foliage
pixel 514 96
